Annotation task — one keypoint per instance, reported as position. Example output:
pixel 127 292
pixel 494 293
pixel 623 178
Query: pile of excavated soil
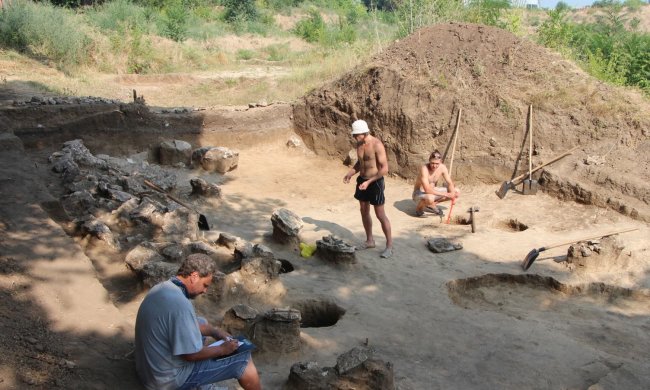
pixel 411 94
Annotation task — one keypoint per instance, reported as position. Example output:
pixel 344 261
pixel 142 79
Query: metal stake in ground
pixel 472 217
pixel 532 255
pixel 530 185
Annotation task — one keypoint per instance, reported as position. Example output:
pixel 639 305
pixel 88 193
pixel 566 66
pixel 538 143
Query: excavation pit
pixel 319 313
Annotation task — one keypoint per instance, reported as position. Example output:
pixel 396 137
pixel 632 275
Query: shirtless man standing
pixel 372 165
pixel 425 194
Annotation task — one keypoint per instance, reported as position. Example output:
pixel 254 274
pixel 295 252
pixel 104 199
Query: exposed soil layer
pixel 411 94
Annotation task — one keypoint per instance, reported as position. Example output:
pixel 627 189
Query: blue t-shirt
pixel 166 327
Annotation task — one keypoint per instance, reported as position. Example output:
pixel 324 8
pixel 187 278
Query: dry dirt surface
pixel 467 319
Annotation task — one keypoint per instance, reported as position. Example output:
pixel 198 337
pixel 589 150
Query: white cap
pixel 360 127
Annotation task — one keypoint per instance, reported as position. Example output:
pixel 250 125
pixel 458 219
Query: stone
pixel 220 159
pixel 180 224
pixel 142 255
pixel 266 268
pixel 78 203
pixel 201 187
pixel 335 250
pixel 352 358
pixel 9 142
pixel 175 152
pixel 100 231
pixel 228 240
pixel 240 319
pixel 441 245
pixel 355 369
pixel 294 142
pixel 157 271
pixel 286 226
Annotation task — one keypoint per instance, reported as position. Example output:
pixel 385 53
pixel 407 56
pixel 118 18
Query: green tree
pixel 175 20
pixel 240 10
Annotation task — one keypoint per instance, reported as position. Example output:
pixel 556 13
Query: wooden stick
pixel 453 148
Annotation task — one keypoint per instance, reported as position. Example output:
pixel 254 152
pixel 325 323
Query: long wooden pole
pixel 453 148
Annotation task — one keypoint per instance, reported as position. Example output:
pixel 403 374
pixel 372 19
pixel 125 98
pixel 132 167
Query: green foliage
pixel 562 6
pixel 634 4
pixel 139 52
pixel 239 10
pixel 174 22
pixel 555 32
pixel 605 3
pixel 606 49
pixel 117 14
pixel 245 54
pixel 278 52
pixel 43 30
pixel 488 12
pixel 414 14
pixel 383 5
pixel 280 5
pixel 311 29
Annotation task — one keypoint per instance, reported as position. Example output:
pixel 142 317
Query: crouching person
pixel 169 337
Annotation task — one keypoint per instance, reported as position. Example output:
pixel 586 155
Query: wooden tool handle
pixel 453 148
pixel 530 138
pixel 544 164
pixel 590 238
pixel 180 202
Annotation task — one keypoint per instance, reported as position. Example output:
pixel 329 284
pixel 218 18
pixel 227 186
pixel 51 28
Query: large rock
pixel 355 369
pixel 286 226
pixel 218 159
pixel 175 152
pixel 335 250
pixel 141 255
pixel 201 187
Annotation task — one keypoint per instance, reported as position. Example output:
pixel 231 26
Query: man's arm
pixel 450 184
pixel 206 352
pixel 214 332
pixel 353 171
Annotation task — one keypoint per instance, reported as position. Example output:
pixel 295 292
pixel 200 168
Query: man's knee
pixel 250 379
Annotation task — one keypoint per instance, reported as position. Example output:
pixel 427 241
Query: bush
pixel 311 29
pixel 174 23
pixel 44 30
pixel 240 10
pixel 116 14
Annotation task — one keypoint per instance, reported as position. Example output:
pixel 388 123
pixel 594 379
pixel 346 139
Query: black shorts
pixel 373 194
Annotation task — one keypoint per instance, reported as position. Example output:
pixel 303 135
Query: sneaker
pixel 386 253
pixel 435 210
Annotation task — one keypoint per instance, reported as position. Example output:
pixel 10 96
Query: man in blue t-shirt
pixel 169 348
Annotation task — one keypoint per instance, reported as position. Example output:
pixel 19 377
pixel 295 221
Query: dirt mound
pixel 411 94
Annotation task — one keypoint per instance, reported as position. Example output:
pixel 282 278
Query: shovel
pixel 530 185
pixel 532 255
pixel 507 185
pixel 203 221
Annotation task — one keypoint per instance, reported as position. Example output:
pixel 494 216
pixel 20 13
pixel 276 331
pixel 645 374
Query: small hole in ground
pixel 514 225
pixel 318 314
pixel 286 266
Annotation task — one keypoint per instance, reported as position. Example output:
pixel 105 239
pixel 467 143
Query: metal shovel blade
pixel 530 258
pixel 503 190
pixel 530 187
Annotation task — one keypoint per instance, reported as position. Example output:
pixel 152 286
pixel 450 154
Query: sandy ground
pixel 494 335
